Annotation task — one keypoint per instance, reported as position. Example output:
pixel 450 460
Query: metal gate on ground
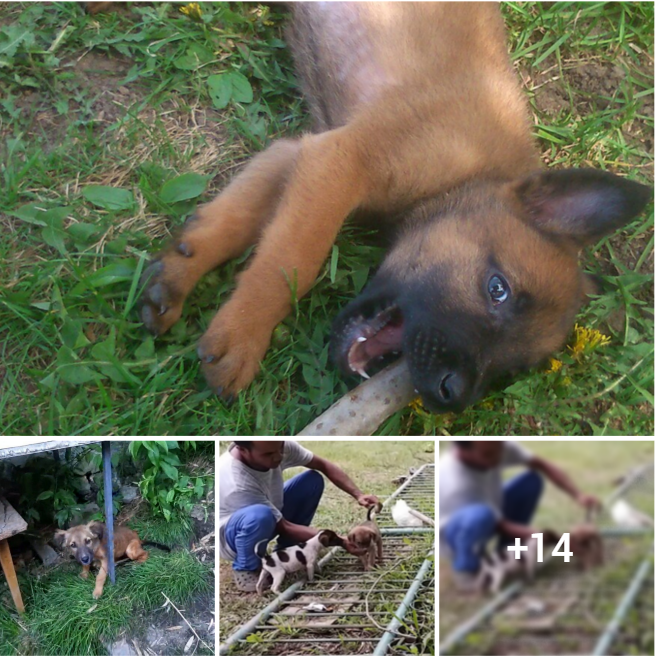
pixel 389 610
pixel 605 611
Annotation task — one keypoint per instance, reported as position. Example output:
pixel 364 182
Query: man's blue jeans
pixel 470 528
pixel 255 523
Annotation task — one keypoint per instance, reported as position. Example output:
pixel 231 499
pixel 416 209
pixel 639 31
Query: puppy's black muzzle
pixel 84 556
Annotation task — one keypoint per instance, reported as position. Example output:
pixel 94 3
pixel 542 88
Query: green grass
pixel 371 465
pixel 126 101
pixel 63 618
pixel 594 467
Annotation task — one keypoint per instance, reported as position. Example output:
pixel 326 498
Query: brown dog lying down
pixel 366 537
pixel 88 543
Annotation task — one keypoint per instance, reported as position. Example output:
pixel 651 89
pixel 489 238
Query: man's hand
pixel 367 500
pixel 589 502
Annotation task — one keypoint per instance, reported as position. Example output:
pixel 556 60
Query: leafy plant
pixel 163 484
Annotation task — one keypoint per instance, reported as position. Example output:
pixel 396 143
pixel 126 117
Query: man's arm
pixel 340 479
pixel 514 530
pixel 297 532
pixel 563 481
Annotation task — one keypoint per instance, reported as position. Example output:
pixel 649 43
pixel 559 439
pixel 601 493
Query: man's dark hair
pixel 244 444
pixel 463 444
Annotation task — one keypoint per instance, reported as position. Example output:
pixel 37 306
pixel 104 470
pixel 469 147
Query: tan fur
pixel 366 537
pixel 412 100
pixel 587 546
pixel 88 543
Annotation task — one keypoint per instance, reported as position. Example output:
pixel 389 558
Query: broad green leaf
pixel 220 89
pixel 242 91
pixel 109 198
pixel 184 187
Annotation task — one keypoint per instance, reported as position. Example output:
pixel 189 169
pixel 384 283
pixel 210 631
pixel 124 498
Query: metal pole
pixel 287 594
pixel 465 628
pixel 406 531
pixel 109 510
pixel 609 634
pixel 399 615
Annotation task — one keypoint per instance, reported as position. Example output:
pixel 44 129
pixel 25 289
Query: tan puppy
pixel 88 543
pixel 366 537
pixel 421 125
pixel 586 544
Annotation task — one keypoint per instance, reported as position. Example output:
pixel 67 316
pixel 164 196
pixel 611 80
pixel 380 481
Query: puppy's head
pixel 587 546
pixel 81 541
pixel 328 538
pixel 361 537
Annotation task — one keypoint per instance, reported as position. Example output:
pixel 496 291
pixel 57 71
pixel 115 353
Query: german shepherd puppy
pixel 88 543
pixel 421 123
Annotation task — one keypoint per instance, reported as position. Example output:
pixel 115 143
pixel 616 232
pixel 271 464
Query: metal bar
pixel 340 613
pixel 247 627
pixel 460 632
pixel 404 485
pixel 626 531
pixel 403 531
pixel 349 591
pixel 285 598
pixel 622 488
pixel 610 632
pixel 323 628
pixel 109 509
pixel 350 581
pixel 399 615
pixel 343 640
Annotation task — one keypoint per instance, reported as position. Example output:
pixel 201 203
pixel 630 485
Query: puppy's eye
pixel 87 541
pixel 498 289
pixel 73 545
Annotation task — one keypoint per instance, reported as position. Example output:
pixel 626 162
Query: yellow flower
pixel 587 340
pixel 192 10
pixel 416 405
pixel 555 365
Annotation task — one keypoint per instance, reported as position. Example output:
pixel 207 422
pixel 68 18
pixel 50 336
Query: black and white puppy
pixel 498 565
pixel 303 556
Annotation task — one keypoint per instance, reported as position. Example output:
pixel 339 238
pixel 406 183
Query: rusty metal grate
pixel 361 612
pixel 569 612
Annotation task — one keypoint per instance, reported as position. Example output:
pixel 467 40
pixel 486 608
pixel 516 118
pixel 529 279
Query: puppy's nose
pixel 85 559
pixel 446 392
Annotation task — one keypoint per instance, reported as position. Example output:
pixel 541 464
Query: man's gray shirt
pixel 241 486
pixel 461 485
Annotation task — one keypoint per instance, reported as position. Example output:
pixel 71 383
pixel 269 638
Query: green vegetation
pixel 112 129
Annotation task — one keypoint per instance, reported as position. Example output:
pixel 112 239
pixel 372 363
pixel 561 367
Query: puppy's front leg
pixel 310 572
pixel 278 576
pixel 221 230
pixel 259 587
pixel 100 579
pixel 328 182
pixel 85 572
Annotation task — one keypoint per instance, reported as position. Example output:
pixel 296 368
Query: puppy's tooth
pixel 361 339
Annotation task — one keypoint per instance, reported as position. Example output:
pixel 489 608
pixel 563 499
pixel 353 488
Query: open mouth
pixel 368 340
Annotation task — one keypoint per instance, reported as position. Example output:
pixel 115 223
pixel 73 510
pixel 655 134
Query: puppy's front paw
pixel 97 593
pixel 231 350
pixel 162 297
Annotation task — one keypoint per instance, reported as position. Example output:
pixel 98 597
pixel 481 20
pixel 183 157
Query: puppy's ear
pixel 582 205
pixel 329 538
pixel 97 529
pixel 59 538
